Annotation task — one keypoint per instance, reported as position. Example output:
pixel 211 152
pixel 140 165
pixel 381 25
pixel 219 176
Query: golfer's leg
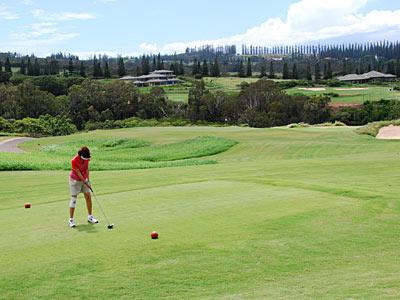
pixel 88 198
pixel 72 206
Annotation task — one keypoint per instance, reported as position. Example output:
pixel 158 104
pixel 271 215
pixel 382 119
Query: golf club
pixel 110 226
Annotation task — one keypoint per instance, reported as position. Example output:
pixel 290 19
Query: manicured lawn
pixel 305 213
pixel 367 93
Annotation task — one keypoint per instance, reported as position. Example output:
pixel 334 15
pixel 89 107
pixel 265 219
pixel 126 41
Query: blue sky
pixel 133 27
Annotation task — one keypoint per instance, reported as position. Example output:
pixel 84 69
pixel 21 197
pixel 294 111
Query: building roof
pixel 128 78
pixel 365 76
pixel 162 71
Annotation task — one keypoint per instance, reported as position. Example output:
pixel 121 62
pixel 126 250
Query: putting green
pixel 301 213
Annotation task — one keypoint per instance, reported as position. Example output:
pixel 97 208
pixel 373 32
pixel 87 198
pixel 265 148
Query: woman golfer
pixel 79 182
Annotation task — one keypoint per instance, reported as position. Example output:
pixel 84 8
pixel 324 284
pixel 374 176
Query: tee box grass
pixel 303 213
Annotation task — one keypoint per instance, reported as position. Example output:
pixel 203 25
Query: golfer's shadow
pixel 88 228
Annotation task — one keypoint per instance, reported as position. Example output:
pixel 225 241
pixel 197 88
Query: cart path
pixel 11 145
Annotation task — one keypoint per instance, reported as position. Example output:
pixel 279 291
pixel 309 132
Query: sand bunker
pixel 313 89
pixel 389 133
pixel 351 89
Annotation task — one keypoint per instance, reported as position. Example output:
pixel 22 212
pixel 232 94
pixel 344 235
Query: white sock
pixel 90 216
pixel 71 219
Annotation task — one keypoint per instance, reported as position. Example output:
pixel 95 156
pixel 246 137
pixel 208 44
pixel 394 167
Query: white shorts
pixel 77 186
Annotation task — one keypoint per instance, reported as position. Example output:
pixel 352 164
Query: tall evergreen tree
pixel 46 69
pixel 369 68
pixel 308 72
pixel 71 69
pixel 263 71
pixel 344 68
pixel 271 70
pixel 138 71
pixel 215 70
pixel 285 72
pixel 107 73
pixel 329 71
pixel 22 70
pixel 36 68
pixel 30 68
pixel 159 67
pixel 295 75
pixel 121 67
pixel 199 67
pixel 325 72
pixel 362 71
pixel 96 72
pixel 82 70
pixel 99 69
pixel 1 68
pixel 7 66
pixel 205 69
pixel 398 67
pixel 154 65
pixel 241 70
pixel 249 72
pixel 195 69
pixel 391 68
pixel 317 71
pixel 181 68
pixel 145 65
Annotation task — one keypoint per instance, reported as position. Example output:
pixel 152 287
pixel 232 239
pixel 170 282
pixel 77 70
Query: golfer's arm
pixel 78 172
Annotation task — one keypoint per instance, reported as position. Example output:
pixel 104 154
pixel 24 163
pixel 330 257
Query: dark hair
pixel 84 152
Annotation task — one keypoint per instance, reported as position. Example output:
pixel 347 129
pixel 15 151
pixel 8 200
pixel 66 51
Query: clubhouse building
pixel 156 78
pixel 367 77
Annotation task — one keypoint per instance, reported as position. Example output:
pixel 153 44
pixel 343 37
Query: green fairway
pixel 352 94
pixel 302 213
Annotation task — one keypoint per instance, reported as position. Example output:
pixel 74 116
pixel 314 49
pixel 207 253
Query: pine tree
pixel 249 72
pixel 7 66
pixel 1 68
pixel 30 68
pixel 145 65
pixel 99 70
pixel 205 69
pixel 325 72
pixel 329 71
pixel 344 68
pixel 96 72
pixel 181 68
pixel 263 71
pixel 391 68
pixel 285 72
pixel 46 69
pixel 271 70
pixel 215 70
pixel 369 68
pixel 195 70
pixel 36 68
pixel 159 62
pixel 107 73
pixel 241 70
pixel 22 70
pixel 295 75
pixel 154 65
pixel 308 72
pixel 317 71
pixel 71 67
pixel 199 67
pixel 82 70
pixel 398 67
pixel 138 71
pixel 121 67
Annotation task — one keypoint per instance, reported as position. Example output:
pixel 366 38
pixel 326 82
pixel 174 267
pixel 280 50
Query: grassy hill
pixel 303 213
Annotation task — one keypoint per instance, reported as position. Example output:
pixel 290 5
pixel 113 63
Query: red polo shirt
pixel 83 167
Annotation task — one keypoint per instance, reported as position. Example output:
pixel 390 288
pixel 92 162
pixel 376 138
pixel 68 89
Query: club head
pixel 111 226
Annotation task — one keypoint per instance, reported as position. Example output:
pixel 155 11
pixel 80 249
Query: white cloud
pixel 64 16
pixel 56 38
pixel 307 21
pixel 6 14
pixel 27 2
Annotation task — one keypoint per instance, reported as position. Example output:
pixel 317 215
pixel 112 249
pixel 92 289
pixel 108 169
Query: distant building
pixel 367 77
pixel 156 78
